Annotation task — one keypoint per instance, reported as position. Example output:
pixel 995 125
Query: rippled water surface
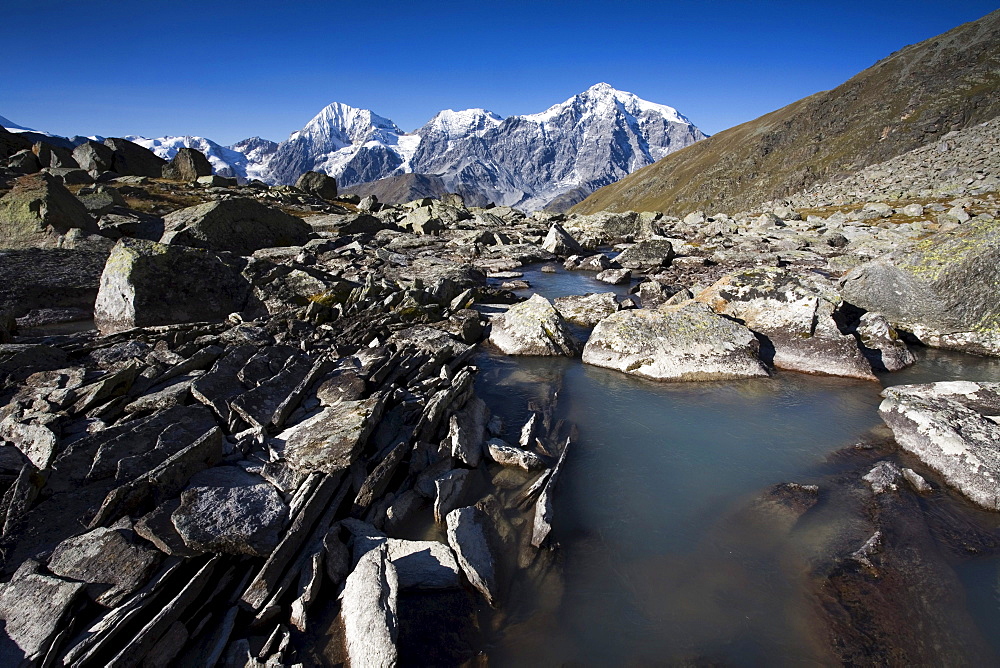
pixel 658 564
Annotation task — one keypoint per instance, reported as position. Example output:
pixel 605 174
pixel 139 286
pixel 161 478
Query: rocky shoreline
pixel 269 404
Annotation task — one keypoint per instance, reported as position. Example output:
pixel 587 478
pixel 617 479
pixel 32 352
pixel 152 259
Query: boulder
pixel 951 426
pixel 237 225
pixel 226 509
pixel 943 290
pixel 423 220
pixel 145 283
pixel 54 156
pixel 318 184
pixel 368 611
pixel 101 200
pixel 560 242
pixel 533 327
pixel 505 454
pixel 798 316
pixel 587 310
pixel 615 276
pixel 598 262
pixel 467 432
pixel 130 159
pixel 647 255
pixel 38 211
pixel 188 165
pixel 24 161
pixel 344 224
pixel 94 157
pixel 11 143
pixel 687 342
pixel 881 343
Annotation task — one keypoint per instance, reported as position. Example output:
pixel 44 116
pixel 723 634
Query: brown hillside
pixel 904 101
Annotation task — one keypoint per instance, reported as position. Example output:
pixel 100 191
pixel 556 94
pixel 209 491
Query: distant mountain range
pixel 905 100
pixel 559 155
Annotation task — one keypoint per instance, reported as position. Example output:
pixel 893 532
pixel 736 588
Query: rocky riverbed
pixel 240 424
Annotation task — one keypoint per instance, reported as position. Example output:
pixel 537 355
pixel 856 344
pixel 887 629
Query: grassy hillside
pixel 904 101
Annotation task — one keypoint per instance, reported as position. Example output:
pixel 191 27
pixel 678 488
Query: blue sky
pixel 229 70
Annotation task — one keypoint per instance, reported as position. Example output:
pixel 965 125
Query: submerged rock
pixel 687 342
pixel 532 327
pixel 951 427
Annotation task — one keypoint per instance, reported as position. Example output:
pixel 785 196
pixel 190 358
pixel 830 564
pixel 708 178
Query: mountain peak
pixel 453 123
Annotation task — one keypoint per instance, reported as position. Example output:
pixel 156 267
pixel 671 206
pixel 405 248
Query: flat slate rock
pixel 32 606
pixel 330 440
pixel 106 558
pixel 226 509
pixel 368 611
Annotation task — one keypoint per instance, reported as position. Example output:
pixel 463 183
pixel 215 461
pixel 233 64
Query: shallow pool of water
pixel 657 564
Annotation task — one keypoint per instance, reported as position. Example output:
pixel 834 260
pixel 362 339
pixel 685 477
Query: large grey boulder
pixel 686 342
pixel 951 427
pixel 797 314
pixel 226 509
pixel 145 283
pixel 38 211
pixel 368 610
pixel 647 255
pixel 317 183
pixel 94 157
pixel 130 159
pixel 237 225
pixel 943 290
pixel 561 242
pixel 188 165
pixel 533 327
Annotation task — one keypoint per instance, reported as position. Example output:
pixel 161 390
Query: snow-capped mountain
pixel 586 142
pixel 225 161
pixel 561 154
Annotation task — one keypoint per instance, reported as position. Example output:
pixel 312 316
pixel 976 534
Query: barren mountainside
pixel 902 102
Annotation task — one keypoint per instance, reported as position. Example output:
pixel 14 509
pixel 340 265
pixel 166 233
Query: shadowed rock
pixel 145 283
pixel 237 225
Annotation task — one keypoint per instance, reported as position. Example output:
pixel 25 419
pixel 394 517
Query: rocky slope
pixel 906 100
